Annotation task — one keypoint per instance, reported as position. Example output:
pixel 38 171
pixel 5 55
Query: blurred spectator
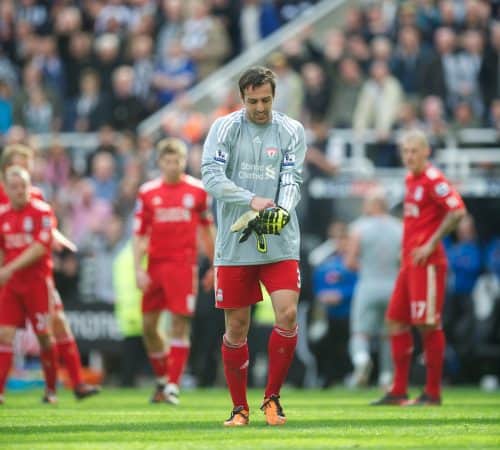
pixel 7 71
pixel 229 13
pixel 345 93
pixel 204 39
pixel 447 15
pixel 141 53
pixel 376 22
pixel 108 58
pixel 5 107
pixel 77 59
pixel 408 118
pixel 146 153
pixel 258 19
pixel 466 86
pixel 97 255
pixel 463 117
pixel 36 106
pixel 87 213
pixel 24 43
pixel 439 72
pixel 465 260
pixel 379 101
pixel 333 285
pixel 35 13
pixel 433 118
pixel 90 109
pixel 289 97
pixel 408 61
pixel 494 116
pixel 174 74
pixel 358 49
pixel 333 50
pixel 317 92
pixel 127 109
pixel 489 74
pixel 57 167
pixel 114 17
pixel 172 24
pixel 50 64
pixel 381 49
pixel 353 21
pixel 103 177
pixel 319 164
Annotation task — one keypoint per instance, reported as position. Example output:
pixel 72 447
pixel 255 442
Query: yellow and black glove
pixel 273 220
pixel 269 221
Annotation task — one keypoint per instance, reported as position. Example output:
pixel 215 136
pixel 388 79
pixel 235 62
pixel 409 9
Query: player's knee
pixel 287 317
pixel 7 335
pixel 180 328
pixel 394 327
pixel 45 341
pixel 237 330
pixel 59 325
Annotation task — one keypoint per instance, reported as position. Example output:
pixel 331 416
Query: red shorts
pixel 27 301
pixel 238 286
pixel 174 287
pixel 418 295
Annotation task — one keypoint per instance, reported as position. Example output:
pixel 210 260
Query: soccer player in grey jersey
pixel 374 249
pixel 252 159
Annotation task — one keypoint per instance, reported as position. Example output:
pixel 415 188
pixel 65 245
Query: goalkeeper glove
pixel 269 221
pixel 272 220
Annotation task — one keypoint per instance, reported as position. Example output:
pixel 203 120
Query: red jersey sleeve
pixel 206 217
pixel 43 231
pixel 143 215
pixel 443 193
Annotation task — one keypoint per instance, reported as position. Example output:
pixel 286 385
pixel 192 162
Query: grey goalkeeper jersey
pixel 242 160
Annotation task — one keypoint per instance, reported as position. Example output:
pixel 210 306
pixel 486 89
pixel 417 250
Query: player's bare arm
pixel 449 223
pixel 260 203
pixel 140 245
pixel 207 237
pixel 60 241
pixel 33 253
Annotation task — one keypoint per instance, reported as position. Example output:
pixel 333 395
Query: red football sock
pixel 159 364
pixel 402 349
pixel 5 364
pixel 69 354
pixel 235 359
pixel 177 359
pixel 281 348
pixel 48 358
pixel 434 346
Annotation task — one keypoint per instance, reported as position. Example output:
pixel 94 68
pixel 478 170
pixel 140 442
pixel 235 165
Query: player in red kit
pixel 67 350
pixel 169 212
pixel 432 209
pixel 25 242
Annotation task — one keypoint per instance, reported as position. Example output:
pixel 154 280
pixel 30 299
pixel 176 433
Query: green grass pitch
pixel 122 419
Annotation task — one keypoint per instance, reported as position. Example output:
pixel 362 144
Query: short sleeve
pixel 44 232
pixel 443 193
pixel 206 217
pixel 142 216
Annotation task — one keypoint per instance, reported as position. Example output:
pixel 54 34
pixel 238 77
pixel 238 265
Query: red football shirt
pixel 428 198
pixel 20 228
pixel 170 214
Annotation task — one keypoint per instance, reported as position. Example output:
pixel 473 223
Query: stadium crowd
pixel 104 65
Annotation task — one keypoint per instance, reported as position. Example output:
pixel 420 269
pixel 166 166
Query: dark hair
pixel 257 76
